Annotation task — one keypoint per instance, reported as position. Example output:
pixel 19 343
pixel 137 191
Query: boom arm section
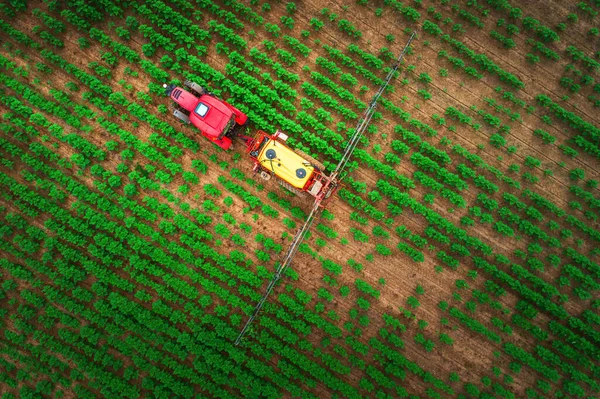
pixel 287 260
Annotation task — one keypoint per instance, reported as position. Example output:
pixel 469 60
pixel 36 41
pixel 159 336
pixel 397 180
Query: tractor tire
pixel 310 159
pixel 294 190
pixel 181 116
pixel 195 87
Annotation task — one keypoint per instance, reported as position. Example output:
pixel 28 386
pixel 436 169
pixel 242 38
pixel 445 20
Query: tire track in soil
pixel 504 184
pixel 466 36
pixel 588 113
pixel 519 39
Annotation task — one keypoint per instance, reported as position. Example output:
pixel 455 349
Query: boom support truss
pixel 332 183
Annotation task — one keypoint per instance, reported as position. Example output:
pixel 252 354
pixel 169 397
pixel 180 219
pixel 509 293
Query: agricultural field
pixel 459 259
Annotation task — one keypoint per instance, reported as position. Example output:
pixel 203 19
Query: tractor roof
pixel 285 163
pixel 210 115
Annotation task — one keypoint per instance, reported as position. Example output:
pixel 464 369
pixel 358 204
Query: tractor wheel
pixel 195 87
pixel 181 116
pixel 294 190
pixel 310 159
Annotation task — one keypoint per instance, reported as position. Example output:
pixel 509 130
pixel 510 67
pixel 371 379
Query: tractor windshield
pixel 201 109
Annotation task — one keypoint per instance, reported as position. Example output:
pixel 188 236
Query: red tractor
pixel 216 119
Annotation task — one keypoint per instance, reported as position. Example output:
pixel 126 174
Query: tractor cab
pixel 212 117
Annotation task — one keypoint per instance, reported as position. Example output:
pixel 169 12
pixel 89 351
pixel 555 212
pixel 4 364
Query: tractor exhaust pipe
pixel 168 89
